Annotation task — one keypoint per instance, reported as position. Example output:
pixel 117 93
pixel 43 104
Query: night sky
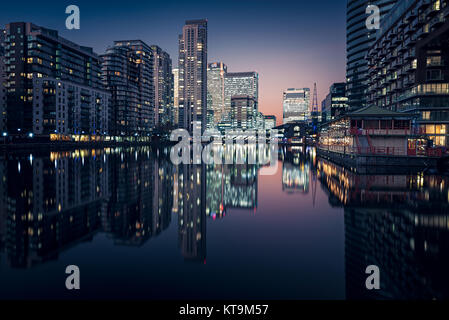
pixel 290 43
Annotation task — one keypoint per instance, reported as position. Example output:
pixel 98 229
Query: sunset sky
pixel 290 43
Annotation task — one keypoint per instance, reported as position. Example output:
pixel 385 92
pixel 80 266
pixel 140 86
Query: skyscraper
pixel 359 39
pixel 241 83
pixel 2 84
pixel 127 72
pixel 163 86
pixel 296 105
pixel 216 73
pixel 175 111
pixel 193 75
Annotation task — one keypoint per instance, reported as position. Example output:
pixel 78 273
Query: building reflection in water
pixel 398 222
pixel 234 186
pixel 50 201
pixel 295 169
pixel 141 198
pixel 192 211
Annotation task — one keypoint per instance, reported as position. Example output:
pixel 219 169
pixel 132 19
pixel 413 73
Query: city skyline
pixel 302 51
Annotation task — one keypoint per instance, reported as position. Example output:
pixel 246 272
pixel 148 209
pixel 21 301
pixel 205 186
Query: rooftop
pixel 375 111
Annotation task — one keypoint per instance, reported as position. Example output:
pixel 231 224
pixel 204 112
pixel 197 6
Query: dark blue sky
pixel 290 43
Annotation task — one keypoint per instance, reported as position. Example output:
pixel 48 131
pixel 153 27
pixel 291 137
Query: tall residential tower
pixel 358 40
pixel 163 86
pixel 193 75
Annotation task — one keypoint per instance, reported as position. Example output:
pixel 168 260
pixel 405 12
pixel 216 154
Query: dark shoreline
pixel 58 146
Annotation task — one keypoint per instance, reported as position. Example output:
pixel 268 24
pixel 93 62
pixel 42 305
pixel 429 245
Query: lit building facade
pixel 336 102
pixel 241 83
pixel 119 74
pixel 216 73
pixel 175 111
pixel 193 75
pixel 127 72
pixel 63 110
pixel 359 39
pixel 270 122
pixel 33 52
pixel 2 83
pixel 409 68
pixel 243 112
pixel 296 104
pixel 163 86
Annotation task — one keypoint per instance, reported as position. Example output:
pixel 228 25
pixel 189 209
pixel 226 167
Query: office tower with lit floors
pixel 216 73
pixel 296 104
pixel 193 75
pixel 336 102
pixel 243 112
pixel 240 83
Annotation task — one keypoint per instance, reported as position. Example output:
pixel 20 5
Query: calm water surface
pixel 139 227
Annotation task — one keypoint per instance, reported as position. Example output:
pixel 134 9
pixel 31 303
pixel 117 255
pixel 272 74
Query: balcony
pixel 409 55
pixel 397 40
pixel 422 33
pixel 422 20
pixel 437 21
pixel 446 11
pixel 402 47
pixel 391 34
pixel 410 41
pixel 390 57
pixel 412 14
pixel 407 29
pixel 423 4
pixel 397 63
pixel 433 9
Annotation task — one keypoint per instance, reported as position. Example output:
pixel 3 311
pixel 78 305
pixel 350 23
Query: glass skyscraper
pixel 358 40
pixel 216 73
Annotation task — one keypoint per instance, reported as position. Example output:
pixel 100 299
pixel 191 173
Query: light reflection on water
pixel 140 227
